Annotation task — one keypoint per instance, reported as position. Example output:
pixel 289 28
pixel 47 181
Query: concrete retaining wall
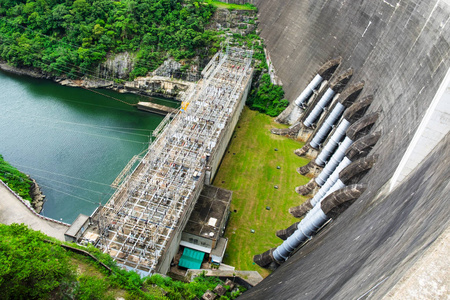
pixel 400 49
pixel 217 155
pixel 27 204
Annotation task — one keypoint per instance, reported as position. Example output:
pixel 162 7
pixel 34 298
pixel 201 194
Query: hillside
pixel 35 266
pixel 74 37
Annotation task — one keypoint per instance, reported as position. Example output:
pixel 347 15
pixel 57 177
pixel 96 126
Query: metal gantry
pixel 136 224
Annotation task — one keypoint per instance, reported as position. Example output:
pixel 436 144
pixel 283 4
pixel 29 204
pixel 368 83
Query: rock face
pixel 400 50
pixel 169 67
pixel 37 196
pixel 159 86
pixel 117 66
pixel 238 21
pixel 173 69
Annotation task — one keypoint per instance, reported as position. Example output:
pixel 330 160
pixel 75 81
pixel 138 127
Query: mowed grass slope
pixel 220 4
pixel 249 169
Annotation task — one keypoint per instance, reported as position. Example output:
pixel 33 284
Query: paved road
pixel 13 211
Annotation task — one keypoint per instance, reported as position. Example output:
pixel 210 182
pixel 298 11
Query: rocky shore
pixel 38 197
pixel 149 86
pixel 35 73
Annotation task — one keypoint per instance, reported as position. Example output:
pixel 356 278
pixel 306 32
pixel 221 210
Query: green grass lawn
pixel 249 169
pixel 220 4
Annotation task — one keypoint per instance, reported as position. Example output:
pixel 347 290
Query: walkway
pixel 252 277
pixel 13 211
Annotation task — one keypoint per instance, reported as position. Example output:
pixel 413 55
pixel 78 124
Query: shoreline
pixel 172 91
pixel 37 196
pixel 153 86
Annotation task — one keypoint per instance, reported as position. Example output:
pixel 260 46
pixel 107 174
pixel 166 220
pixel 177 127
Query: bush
pixel 16 180
pixel 267 98
pixel 91 288
pixel 29 267
pixel 181 290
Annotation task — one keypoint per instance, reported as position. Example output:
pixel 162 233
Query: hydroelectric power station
pixel 141 224
pixel 369 87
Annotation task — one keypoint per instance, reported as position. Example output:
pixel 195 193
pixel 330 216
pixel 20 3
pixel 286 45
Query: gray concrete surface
pixel 429 278
pixel 368 249
pixel 401 50
pixel 14 211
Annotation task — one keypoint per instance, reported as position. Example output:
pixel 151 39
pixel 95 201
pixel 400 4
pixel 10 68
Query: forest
pixel 73 37
pixel 35 266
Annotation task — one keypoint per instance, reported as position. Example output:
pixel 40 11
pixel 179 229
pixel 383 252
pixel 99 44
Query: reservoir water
pixel 72 141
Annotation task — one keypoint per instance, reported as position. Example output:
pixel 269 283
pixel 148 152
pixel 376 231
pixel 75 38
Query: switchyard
pixel 140 226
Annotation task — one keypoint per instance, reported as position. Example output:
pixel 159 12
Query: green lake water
pixel 73 141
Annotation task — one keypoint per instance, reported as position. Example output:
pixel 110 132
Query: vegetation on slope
pixel 16 180
pixel 34 266
pixel 265 97
pixel 231 6
pixel 74 36
pixel 249 169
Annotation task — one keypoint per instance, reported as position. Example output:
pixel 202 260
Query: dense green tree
pixel 34 266
pixel 78 34
pixel 30 268
pixel 267 97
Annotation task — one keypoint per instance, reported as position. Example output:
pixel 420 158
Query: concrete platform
pixel 156 108
pixel 252 277
pixel 14 211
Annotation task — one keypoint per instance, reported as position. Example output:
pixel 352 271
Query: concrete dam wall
pixel 400 51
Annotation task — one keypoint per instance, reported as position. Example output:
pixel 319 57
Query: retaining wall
pixel 28 205
pixel 400 49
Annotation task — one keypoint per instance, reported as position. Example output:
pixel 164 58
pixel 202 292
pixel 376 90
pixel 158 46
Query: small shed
pixel 191 259
pixel 77 228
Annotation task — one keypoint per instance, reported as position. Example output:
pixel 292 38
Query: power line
pixel 54 39
pixel 72 185
pixel 86 133
pixel 85 73
pixel 94 91
pixel 117 99
pixel 68 194
pixel 106 128
pixel 53 173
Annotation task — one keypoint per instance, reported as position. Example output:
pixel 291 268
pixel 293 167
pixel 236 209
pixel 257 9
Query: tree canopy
pixel 74 36
pixel 30 268
pixel 35 266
